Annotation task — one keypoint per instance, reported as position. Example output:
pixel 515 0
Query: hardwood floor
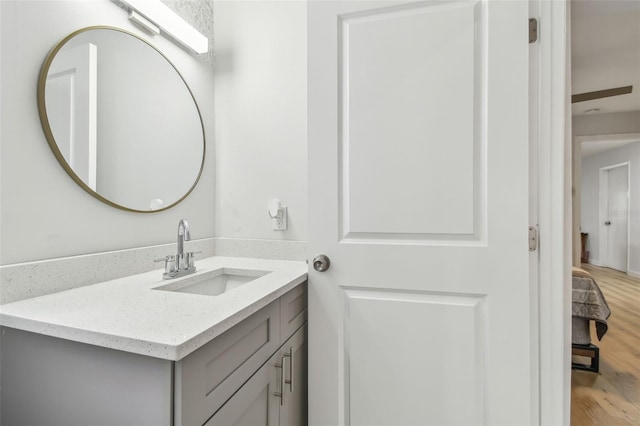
pixel 612 397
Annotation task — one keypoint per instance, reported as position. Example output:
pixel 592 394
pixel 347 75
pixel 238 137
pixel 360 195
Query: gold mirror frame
pixel 44 120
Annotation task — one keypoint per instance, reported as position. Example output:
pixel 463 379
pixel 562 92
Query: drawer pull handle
pixel 281 393
pixel 290 356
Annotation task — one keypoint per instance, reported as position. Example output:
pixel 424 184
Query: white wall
pixel 43 213
pixel 590 200
pixel 261 116
pixel 593 125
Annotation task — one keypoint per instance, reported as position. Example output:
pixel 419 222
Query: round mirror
pixel 121 120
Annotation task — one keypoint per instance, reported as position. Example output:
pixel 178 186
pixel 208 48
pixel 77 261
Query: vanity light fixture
pixel 157 15
pixel 143 22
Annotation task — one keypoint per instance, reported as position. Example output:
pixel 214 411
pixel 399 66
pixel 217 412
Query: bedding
pixel 588 303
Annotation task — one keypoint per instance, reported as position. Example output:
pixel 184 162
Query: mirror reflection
pixel 121 119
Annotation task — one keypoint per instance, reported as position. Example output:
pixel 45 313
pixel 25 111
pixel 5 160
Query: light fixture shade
pixel 170 23
pixel 143 22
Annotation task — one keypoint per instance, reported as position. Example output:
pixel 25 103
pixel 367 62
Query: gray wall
pixel 43 213
pixel 590 200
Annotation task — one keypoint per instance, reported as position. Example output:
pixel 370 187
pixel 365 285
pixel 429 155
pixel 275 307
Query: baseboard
pixel 633 274
pixel 595 262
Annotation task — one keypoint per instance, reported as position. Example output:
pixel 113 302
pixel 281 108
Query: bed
pixel 588 304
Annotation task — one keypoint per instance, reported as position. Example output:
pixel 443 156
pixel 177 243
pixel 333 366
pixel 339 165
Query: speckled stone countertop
pixel 128 314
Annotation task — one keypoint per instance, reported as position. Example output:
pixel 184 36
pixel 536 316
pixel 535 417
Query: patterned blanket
pixel 588 301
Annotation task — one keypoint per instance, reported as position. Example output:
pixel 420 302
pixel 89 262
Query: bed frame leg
pixel 590 351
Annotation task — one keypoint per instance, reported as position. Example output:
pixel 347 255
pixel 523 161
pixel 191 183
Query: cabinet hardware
pixel 290 356
pixel 282 382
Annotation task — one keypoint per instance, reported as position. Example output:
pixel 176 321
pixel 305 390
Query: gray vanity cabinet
pixel 255 403
pixel 51 381
pixel 230 380
pixel 276 394
pixel 206 378
pixel 293 409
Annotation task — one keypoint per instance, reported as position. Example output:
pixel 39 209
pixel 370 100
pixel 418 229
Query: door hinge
pixel 533 30
pixel 533 238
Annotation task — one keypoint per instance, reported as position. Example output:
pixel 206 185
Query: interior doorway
pixel 614 203
pixel 606 122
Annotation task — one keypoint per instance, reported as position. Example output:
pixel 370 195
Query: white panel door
pixel 71 103
pixel 617 217
pixel 418 147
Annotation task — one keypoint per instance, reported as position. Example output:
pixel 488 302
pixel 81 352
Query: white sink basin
pixel 212 283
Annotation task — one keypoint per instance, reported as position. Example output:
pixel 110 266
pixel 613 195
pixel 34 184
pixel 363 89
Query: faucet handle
pixel 190 260
pixel 169 263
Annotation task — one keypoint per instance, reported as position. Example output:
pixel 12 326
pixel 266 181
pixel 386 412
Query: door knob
pixel 321 263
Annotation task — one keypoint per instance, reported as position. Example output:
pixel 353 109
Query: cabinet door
pixel 294 410
pixel 256 403
pixel 208 377
pixel 293 311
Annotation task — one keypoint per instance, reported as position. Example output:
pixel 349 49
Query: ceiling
pixel 605 52
pixel 590 148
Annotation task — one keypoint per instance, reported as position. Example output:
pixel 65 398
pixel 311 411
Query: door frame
pixel 554 170
pixel 603 200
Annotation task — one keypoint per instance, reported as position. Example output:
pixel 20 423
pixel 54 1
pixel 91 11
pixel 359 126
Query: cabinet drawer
pixel 276 394
pixel 293 311
pixel 255 403
pixel 205 379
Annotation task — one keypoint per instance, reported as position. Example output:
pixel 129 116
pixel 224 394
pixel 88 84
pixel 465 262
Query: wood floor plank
pixel 612 397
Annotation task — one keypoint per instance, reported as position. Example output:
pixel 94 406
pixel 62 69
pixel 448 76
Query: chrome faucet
pixel 183 235
pixel 182 263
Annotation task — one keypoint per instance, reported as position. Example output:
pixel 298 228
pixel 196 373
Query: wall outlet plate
pixel 279 222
